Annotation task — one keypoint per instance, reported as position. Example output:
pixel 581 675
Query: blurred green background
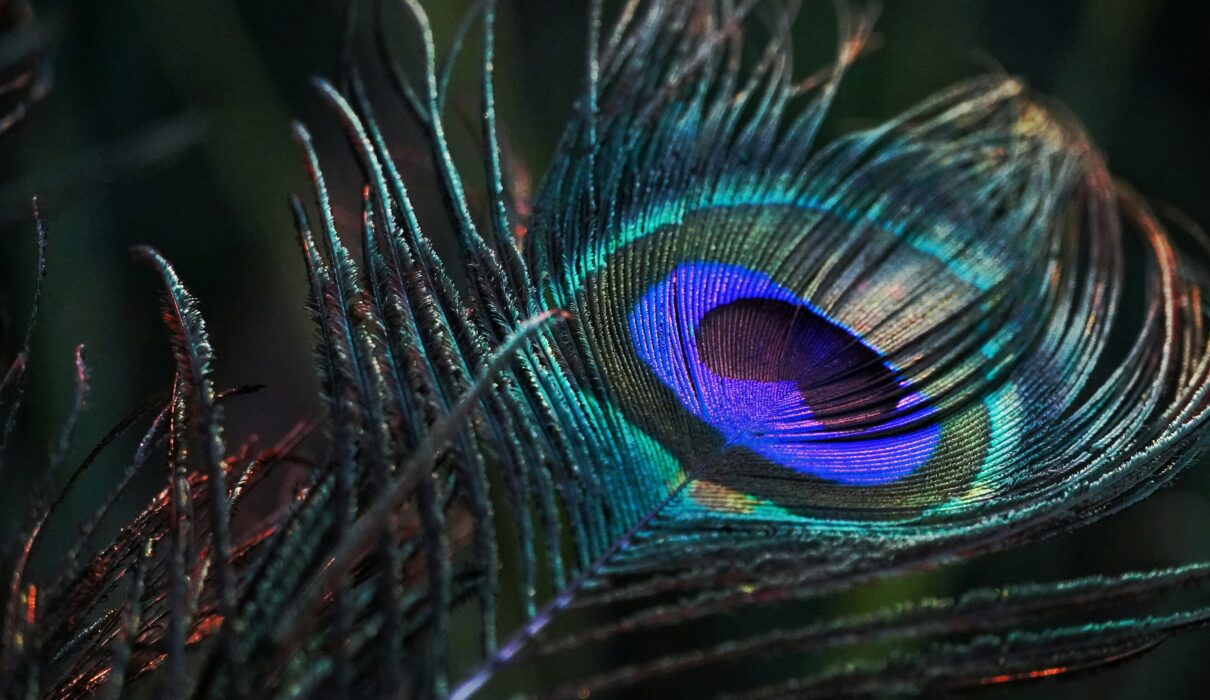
pixel 168 125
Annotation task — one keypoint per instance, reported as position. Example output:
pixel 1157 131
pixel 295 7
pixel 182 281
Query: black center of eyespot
pixel 842 381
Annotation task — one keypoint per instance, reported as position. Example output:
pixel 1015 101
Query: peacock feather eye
pixel 730 338
pixel 772 374
pixel 858 334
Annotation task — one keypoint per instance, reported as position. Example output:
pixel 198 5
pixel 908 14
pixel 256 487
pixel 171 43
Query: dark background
pixel 168 125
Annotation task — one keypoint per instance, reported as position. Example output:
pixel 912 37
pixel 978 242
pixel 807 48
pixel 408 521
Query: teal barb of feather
pixel 728 367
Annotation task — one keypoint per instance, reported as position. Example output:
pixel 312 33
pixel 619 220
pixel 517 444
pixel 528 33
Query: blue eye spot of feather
pixel 772 373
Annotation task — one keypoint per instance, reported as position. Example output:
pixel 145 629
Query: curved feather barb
pixel 719 369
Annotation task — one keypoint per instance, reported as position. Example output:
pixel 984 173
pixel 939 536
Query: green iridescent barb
pixel 724 370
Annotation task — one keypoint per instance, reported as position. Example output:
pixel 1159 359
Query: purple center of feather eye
pixel 774 374
pixel 841 381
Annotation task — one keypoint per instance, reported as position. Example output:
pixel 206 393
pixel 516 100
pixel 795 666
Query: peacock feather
pixel 718 372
